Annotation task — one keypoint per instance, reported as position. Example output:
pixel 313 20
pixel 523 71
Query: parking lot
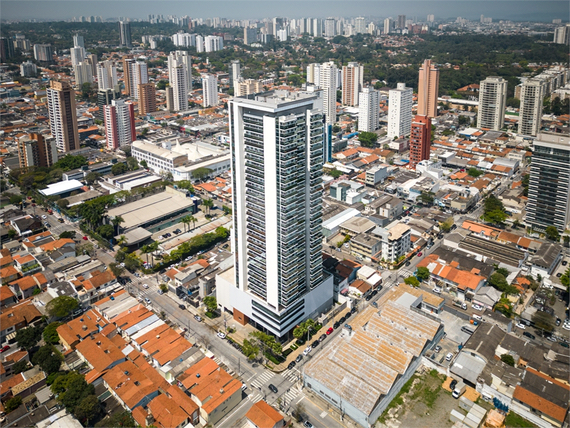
pixel 453 326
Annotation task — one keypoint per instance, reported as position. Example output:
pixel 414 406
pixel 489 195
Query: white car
pixel 308 350
pixel 477 307
pixel 221 335
pixel 449 356
pixel 521 326
pixel 566 326
pixel 437 290
pixel 44 216
pixel 145 285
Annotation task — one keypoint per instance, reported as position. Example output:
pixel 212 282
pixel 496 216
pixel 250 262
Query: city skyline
pixel 535 10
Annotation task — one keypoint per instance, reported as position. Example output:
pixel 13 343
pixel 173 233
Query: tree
pixel 299 411
pixel 143 162
pixel 463 120
pixel 227 210
pixel 543 320
pixel 69 162
pixel 15 199
pixel 116 221
pixel 67 234
pixel 446 225
pixel 50 334
pixel 303 329
pixel 131 263
pixel 502 271
pixel 496 217
pixel 335 173
pixel 208 203
pixel 106 231
pixel 565 278
pixel 552 234
pixel 71 390
pixel 13 403
pixel 426 198
pixel 423 273
pixel 88 410
pixel 118 420
pixel 163 288
pixel 92 177
pixel 474 172
pixel 249 349
pixel 132 164
pixel 185 221
pixel 119 168
pixel 28 337
pixel 12 234
pixel 504 306
pixel 499 281
pixel 185 184
pixel 367 139
pixel 211 303
pixel 201 173
pixel 412 280
pixel 20 366
pixel 508 359
pixel 48 358
pixel 61 306
pixel 121 241
pixel 116 269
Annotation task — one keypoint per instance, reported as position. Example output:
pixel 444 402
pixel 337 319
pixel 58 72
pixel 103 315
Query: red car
pixel 4 349
pixel 85 238
pixel 420 254
pixel 330 330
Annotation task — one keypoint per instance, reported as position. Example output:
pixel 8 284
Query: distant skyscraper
pixel 28 69
pixel 78 41
pixel 119 124
pixel 317 27
pixel 92 60
pixel 428 89
pixel 213 43
pixel 134 74
pixel 360 25
pixel 147 98
pixel 169 98
pixel 235 72
pixel 277 160
pixel 352 81
pixel 549 184
pixel 209 90
pixel 401 22
pixel 6 48
pixel 249 35
pixel 369 110
pixel 62 115
pixel 77 55
pixel 530 110
pixel 492 103
pixel 105 97
pixel 199 44
pixel 125 34
pixel 83 73
pixel 43 53
pixel 328 83
pixel 430 18
pixel 420 140
pixel 330 27
pixel 34 150
pixel 562 35
pixel 314 74
pixel 388 26
pixel 127 74
pixel 106 75
pixel 400 111
pixel 179 73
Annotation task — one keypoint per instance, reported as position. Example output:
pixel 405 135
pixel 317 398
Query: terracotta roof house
pixel 262 415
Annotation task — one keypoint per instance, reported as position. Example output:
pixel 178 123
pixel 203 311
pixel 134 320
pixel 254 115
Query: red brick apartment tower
pixel 420 140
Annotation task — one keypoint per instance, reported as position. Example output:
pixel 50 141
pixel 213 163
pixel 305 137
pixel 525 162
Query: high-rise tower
pixel 209 90
pixel 277 160
pixel 35 150
pixel 328 82
pixel 492 103
pixel 428 88
pixel 400 111
pixel 369 110
pixel 119 124
pixel 352 80
pixel 180 76
pixel 420 140
pixel 125 34
pixel 62 115
pixel 530 111
pixel 147 98
pixel 106 75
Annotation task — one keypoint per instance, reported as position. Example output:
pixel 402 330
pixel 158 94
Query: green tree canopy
pixel 48 358
pixel 211 303
pixel 367 139
pixel 250 350
pixel 565 278
pixel 117 420
pixel 61 306
pixel 119 168
pixel 474 172
pixel 13 403
pixel 50 333
pixel 92 177
pixel 117 269
pixel 335 173
pixel 508 359
pixel 499 281
pixel 552 234
pixel 69 162
pixel 412 280
pixel 28 337
pixel 201 173
pixel 132 164
pixel 72 389
pixel 106 231
pixel 423 273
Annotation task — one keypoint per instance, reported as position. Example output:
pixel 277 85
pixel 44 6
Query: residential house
pixel 387 207
pixel 29 285
pixel 17 317
pixel 366 246
pixel 78 329
pixel 262 415
pixel 7 297
pixel 101 354
pixel 9 274
pixel 99 285
pixel 546 259
pixel 170 409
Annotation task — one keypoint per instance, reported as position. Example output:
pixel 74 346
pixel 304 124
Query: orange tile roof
pixel 130 383
pixel 262 415
pixel 539 403
pixel 81 327
pixel 5 293
pixel 100 351
pixel 24 312
pixel 51 246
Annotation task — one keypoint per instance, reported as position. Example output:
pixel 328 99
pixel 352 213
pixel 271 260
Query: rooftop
pixel 62 187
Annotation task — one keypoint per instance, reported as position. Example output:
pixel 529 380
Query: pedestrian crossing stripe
pixel 255 397
pixel 291 375
pixel 262 379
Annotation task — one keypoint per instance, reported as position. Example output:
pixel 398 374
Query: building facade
pixel 328 82
pixel 125 34
pixel 369 110
pixel 530 111
pixel 180 78
pixel 35 150
pixel 135 73
pixel 43 53
pixel 492 103
pixel 62 115
pixel 428 88
pixel 549 184
pixel 352 81
pixel 105 97
pixel 400 111
pixel 147 98
pixel 106 75
pixel 277 159
pixel 83 73
pixel 420 140
pixel 209 90
pixel 119 124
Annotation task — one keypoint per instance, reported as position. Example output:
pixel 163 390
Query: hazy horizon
pixel 515 10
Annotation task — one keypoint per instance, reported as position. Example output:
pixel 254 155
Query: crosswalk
pixel 262 379
pixel 290 395
pixel 223 365
pixel 292 375
pixel 255 396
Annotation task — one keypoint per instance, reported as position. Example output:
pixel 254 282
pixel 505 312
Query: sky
pixel 516 10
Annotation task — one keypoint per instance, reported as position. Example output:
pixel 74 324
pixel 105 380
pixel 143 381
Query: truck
pixel 461 304
pixel 459 389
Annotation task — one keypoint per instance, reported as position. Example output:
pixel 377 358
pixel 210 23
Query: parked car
pixel 437 290
pixel 521 326
pixel 291 365
pixel 347 326
pixel 198 318
pixel 558 322
pixel 322 337
pixel 420 254
pixel 477 307
pixel 182 306
pixel 307 424
pixel 449 356
pixel 145 285
pixel 44 217
pixel 147 301
pixel 437 348
pixel 330 330
pixel 4 348
pixel 529 335
pixel 221 335
pixel 299 358
pixel 343 319
pixel 315 344
pixel 452 384
pixel 336 325
pixel 60 220
pixel 307 351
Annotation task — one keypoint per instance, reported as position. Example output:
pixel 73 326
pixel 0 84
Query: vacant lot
pixel 421 403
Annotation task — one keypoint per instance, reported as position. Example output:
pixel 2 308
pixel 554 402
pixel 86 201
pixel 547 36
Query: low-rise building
pixel 262 415
pixel 366 246
pixel 17 317
pixel 377 174
pixel 356 225
pixel 396 241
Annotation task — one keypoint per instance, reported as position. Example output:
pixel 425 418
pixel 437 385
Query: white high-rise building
pixel 209 90
pixel 388 25
pixel 138 74
pixel 492 103
pixel 530 111
pixel 77 55
pixel 83 73
pixel 360 25
pixel 400 111
pixel 78 41
pixel 562 35
pixel 180 78
pixel 213 43
pixel 62 115
pixel 119 124
pixel 430 18
pixel 277 159
pixel 199 44
pixel 352 81
pixel 329 82
pixel 317 27
pixel 369 110
pixel 235 72
pixel 106 75
pixel 314 74
pixel 330 27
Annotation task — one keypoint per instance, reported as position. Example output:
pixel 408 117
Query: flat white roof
pixel 62 187
pixel 340 218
